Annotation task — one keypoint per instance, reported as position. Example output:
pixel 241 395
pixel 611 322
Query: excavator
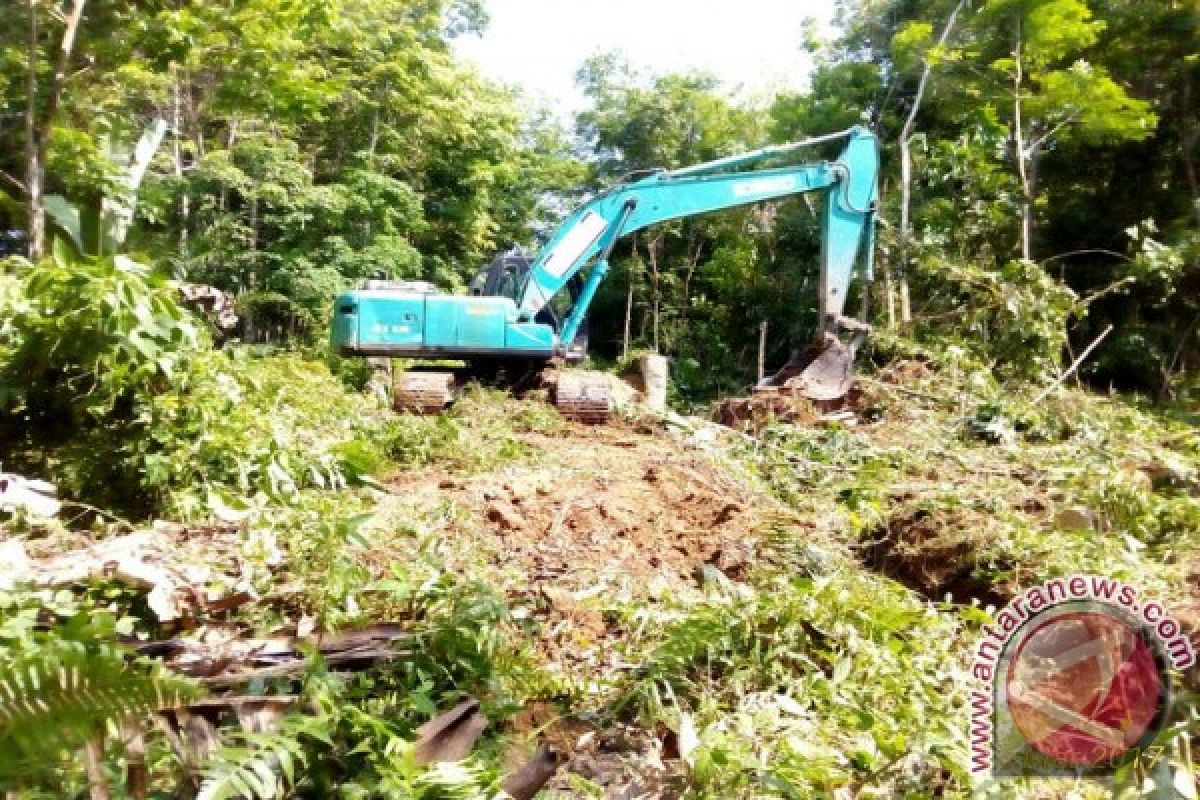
pixel 524 319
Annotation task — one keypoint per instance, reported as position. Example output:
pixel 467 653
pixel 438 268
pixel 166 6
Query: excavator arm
pixel 588 235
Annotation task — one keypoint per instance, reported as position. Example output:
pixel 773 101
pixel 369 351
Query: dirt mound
pixel 756 411
pixel 622 506
pixel 761 409
pixel 933 554
pixel 643 519
pixel 610 505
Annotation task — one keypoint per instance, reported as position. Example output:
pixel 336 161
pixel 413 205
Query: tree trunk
pixel 889 293
pixel 230 141
pixel 137 776
pixel 655 291
pixel 38 131
pixel 1018 137
pixel 33 163
pixel 254 222
pixel 1189 137
pixel 629 300
pixel 1032 174
pixel 693 259
pixel 93 763
pixel 762 350
pixel 193 117
pixel 373 144
pixel 177 157
pixel 906 136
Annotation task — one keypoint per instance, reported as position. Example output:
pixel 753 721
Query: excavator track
pixel 419 392
pixel 583 397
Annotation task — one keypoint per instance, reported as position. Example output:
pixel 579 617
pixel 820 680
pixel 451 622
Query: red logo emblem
pixel 1084 688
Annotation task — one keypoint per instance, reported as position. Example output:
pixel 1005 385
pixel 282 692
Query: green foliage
pixel 64 681
pixel 776 681
pixel 105 376
pixel 342 747
pixel 262 766
pixel 243 424
pixel 84 335
pixel 420 440
pixel 478 432
pixel 1016 315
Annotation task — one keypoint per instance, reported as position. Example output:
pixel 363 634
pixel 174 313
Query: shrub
pixel 242 424
pixel 84 338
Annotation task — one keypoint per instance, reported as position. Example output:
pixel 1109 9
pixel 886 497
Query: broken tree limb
pixel 220 658
pixel 450 736
pixel 36 497
pixel 138 559
pixel 294 669
pixel 137 776
pixel 93 765
pixel 192 734
pixel 526 782
pixel 1074 366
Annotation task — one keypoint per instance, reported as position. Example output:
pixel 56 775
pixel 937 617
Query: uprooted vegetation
pixel 678 608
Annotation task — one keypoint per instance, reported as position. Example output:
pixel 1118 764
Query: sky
pixel 539 44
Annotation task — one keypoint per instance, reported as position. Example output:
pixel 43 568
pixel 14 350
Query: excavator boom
pixel 850 183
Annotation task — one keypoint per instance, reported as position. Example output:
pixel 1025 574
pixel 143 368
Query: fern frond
pixel 400 775
pixel 261 766
pixel 59 695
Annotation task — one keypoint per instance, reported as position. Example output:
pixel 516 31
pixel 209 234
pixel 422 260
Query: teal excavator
pixel 524 318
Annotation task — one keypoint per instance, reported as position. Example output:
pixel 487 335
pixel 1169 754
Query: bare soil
pixel 604 505
pixel 931 554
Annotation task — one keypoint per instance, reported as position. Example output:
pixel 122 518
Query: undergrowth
pixel 814 673
pixel 800 685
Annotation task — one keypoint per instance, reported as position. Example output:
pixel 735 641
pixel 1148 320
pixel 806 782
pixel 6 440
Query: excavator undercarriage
pixel 578 394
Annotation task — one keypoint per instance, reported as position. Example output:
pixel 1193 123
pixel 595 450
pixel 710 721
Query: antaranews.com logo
pixel 1072 679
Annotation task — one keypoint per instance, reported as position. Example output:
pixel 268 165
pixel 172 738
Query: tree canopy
pixel 1041 175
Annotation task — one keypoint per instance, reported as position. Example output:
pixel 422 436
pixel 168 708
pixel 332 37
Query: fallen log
pixel 141 560
pixel 450 736
pixel 222 660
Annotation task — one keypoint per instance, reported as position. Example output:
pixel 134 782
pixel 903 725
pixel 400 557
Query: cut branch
pixel 1088 252
pixel 1019 149
pixel 1074 366
pixel 13 182
pixel 33 165
pixel 1034 147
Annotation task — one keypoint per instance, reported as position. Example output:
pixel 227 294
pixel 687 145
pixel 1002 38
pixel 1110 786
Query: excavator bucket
pixel 825 371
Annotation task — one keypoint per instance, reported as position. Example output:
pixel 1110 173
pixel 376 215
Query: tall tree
pixel 915 33
pixel 39 122
pixel 1048 92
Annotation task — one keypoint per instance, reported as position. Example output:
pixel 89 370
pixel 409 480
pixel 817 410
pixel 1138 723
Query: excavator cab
pixel 506 277
pixel 503 277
